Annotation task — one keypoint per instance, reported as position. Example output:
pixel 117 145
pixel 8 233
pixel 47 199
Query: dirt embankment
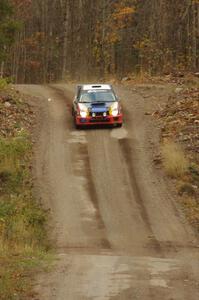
pixel 177 116
pixel 22 220
pixel 181 120
pixel 180 125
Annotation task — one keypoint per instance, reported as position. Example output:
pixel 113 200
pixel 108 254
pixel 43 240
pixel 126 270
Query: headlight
pixel 114 109
pixel 83 110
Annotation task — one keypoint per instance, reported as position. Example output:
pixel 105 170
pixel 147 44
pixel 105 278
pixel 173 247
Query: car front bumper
pixel 99 120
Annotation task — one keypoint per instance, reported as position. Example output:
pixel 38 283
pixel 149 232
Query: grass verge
pixel 23 240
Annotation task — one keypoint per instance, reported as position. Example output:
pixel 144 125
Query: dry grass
pixel 174 160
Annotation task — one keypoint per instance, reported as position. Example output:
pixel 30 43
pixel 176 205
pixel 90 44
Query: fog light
pixel 104 114
pixel 93 115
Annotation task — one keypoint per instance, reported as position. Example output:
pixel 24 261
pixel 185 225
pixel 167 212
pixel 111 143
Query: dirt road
pixel 118 232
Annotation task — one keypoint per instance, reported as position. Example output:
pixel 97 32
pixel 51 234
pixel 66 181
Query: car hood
pixel 98 106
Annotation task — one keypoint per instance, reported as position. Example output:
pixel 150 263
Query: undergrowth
pixel 23 242
pixel 3 83
pixel 186 175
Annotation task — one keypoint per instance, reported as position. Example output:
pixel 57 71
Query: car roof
pixel 97 86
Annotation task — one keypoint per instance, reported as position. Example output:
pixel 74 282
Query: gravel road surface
pixel 116 226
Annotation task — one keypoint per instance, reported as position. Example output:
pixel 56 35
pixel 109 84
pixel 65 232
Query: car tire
pixel 119 125
pixel 74 122
pixel 77 126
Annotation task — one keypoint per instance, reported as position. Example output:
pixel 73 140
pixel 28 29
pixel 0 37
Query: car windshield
pixel 97 96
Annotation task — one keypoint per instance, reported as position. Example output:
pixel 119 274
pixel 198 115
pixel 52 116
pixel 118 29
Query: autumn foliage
pixel 86 39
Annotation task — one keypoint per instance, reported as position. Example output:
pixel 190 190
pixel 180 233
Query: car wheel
pixel 77 126
pixel 119 125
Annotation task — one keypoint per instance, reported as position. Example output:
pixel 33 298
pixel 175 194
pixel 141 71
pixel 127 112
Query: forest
pixel 49 40
pixel 99 214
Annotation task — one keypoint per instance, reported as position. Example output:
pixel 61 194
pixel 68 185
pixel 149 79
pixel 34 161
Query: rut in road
pixel 108 187
pixel 118 232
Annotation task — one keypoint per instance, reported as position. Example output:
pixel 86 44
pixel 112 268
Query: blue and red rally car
pixel 96 104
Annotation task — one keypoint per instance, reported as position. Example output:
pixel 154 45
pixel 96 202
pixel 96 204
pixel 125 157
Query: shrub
pixel 186 188
pixel 3 83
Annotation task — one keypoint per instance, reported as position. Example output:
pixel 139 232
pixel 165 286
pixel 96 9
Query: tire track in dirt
pixel 128 154
pixel 147 182
pixel 79 151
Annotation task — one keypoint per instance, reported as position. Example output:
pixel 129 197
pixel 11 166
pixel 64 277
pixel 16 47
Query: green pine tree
pixel 8 28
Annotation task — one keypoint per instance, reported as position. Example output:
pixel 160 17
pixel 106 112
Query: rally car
pixel 96 104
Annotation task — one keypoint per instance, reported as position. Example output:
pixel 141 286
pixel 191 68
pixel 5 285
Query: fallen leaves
pixel 181 120
pixel 15 114
pixel 180 124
